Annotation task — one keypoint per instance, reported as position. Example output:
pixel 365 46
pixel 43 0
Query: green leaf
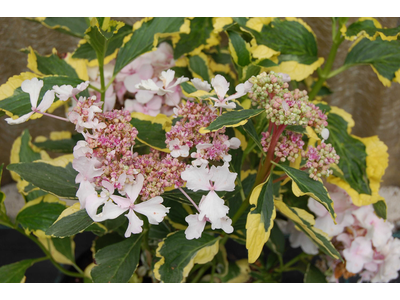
pixel 41 213
pixel 53 179
pixel 238 271
pixel 382 56
pixel 73 26
pixel 117 262
pixel 199 67
pixel 276 241
pixel 296 128
pixel 200 30
pixel 293 39
pixel 106 240
pixel 65 247
pixel 239 49
pixel 61 146
pixel 352 154
pixel 251 131
pixel 178 255
pixel 260 219
pixel 49 65
pixel 177 214
pixel 19 103
pixel 70 224
pixel 314 275
pixel 151 134
pixel 246 72
pixel 232 119
pixel 4 220
pixel 160 231
pixel 305 222
pixel 380 209
pixel 368 29
pixel 145 36
pixel 15 273
pixel 302 184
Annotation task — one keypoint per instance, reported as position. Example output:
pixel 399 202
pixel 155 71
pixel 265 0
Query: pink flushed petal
pixel 358 254
pixel 317 207
pixel 131 81
pixel 135 224
pixel 86 168
pixel 173 99
pixel 146 71
pixel 155 103
pixel 225 104
pixel 195 228
pixel 121 201
pixel 152 209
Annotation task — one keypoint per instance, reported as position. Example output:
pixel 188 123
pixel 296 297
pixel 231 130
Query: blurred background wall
pixel 375 108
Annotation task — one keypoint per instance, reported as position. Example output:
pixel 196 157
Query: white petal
pixel 152 209
pixel 241 90
pixel 32 87
pixel 20 120
pixel 47 101
pixel 224 180
pixel 195 227
pixel 234 143
pixel 135 224
pixel 201 85
pixel 63 92
pixel 81 148
pixel 203 146
pixel 85 189
pixel 285 77
pixel 148 85
pixel 325 133
pixel 133 190
pixel 197 178
pixel 225 104
pixel 144 97
pixel 212 206
pixel 167 77
pixel 226 223
pixel 221 86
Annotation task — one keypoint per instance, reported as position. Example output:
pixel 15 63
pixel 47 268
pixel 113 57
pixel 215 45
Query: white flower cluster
pixel 364 240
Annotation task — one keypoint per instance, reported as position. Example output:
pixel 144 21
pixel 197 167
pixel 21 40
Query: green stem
pixel 324 74
pixel 102 81
pixel 200 273
pixel 338 70
pixel 293 261
pixel 48 256
pixel 212 272
pixel 110 82
pixel 94 88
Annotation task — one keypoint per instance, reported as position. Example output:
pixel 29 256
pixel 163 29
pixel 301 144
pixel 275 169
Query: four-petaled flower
pixel 221 87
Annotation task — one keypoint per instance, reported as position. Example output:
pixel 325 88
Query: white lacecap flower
pixel 221 87
pixel 177 149
pixel 167 86
pixel 67 91
pixel 33 87
pixel 211 206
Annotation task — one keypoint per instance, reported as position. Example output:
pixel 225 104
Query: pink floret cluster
pixel 160 171
pixel 288 147
pixel 319 159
